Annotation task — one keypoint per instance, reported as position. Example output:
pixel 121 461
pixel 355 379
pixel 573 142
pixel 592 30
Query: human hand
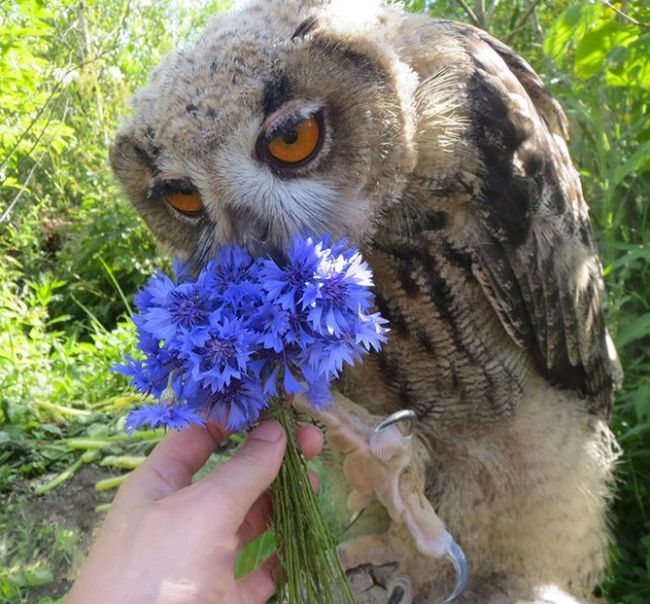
pixel 167 540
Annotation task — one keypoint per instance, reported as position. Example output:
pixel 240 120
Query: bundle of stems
pixel 310 568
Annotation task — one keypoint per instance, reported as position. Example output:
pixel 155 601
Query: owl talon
pixel 385 463
pixel 393 435
pixel 457 557
pixel 404 415
pixel 401 591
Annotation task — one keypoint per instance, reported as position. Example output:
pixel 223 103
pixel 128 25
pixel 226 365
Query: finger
pixel 257 520
pixel 310 440
pixel 237 484
pixel 171 465
pixel 260 585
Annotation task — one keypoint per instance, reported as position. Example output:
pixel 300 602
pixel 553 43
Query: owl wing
pixel 534 255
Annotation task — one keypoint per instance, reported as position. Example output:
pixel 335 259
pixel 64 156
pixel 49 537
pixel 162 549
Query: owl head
pixel 285 117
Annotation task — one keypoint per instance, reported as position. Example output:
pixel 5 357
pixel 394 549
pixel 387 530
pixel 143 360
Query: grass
pixel 72 254
pixel 63 421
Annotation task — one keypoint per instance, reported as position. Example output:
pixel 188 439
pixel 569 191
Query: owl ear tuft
pixel 306 27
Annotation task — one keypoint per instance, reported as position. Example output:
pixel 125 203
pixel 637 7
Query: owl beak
pixel 266 248
pixel 246 225
pixel 254 233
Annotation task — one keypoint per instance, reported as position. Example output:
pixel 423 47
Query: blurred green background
pixel 72 252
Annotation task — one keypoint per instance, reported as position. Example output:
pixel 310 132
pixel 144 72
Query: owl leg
pixel 384 461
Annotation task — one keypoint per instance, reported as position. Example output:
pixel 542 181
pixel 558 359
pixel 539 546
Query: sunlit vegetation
pixel 72 252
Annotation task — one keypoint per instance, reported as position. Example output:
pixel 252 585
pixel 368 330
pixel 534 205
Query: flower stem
pixel 310 569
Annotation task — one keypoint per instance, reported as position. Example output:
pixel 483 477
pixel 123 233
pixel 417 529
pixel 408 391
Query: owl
pixel 482 425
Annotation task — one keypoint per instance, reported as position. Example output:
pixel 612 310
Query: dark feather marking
pixel 497 138
pixel 388 367
pixel 396 381
pixel 395 318
pixel 352 57
pixel 458 257
pixel 565 336
pixel 276 92
pixel 405 397
pixel 424 340
pixel 550 176
pixel 443 298
pixel 410 286
pixel 438 289
pixel 308 25
pixel 147 159
pixel 464 375
pixel 434 221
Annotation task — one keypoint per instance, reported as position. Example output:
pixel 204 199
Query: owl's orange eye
pixel 297 143
pixel 188 203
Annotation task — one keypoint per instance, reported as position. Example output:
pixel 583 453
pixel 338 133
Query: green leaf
pixel 596 45
pixel 639 161
pixel 634 431
pixel 37 577
pixel 632 66
pixel 254 553
pixel 570 25
pixel 637 328
pixel 641 402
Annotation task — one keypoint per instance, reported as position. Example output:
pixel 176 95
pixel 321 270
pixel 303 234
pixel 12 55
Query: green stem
pixel 62 410
pixel 128 462
pixel 111 483
pixel 87 457
pixel 311 572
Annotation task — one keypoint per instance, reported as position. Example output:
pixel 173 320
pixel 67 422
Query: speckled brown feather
pixel 526 245
pixel 446 162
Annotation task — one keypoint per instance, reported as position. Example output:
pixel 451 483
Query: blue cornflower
pixel 239 404
pixel 230 279
pixel 243 331
pixel 369 331
pixel 154 292
pixel 286 285
pixel 318 387
pixel 219 352
pixel 272 323
pixel 183 308
pixel 167 362
pixel 340 292
pixel 147 343
pixel 175 417
pixel 135 369
pixel 329 357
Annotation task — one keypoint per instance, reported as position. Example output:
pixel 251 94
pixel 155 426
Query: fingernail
pixel 269 431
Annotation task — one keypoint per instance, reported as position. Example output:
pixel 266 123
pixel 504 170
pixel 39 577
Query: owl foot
pixel 387 548
pixel 383 461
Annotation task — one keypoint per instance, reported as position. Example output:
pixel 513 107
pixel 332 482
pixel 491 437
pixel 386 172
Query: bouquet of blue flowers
pixel 239 340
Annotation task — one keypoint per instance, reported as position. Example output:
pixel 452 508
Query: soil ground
pixel 44 538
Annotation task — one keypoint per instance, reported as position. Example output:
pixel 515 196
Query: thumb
pixel 241 480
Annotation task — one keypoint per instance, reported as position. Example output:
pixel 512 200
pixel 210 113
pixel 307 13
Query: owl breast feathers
pixel 438 151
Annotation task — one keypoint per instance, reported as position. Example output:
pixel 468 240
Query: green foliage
pixel 597 59
pixel 605 84
pixel 72 252
pixel 35 552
